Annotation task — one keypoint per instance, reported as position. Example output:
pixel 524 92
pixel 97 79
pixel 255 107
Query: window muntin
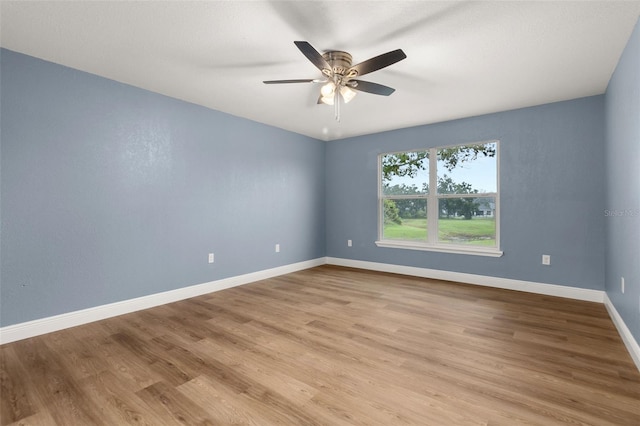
pixel 462 213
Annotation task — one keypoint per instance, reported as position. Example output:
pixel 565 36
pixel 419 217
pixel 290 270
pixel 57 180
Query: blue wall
pixel 552 193
pixel 623 185
pixel 110 192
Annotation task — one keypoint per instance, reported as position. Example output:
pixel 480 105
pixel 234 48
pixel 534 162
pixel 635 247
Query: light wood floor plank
pixel 331 346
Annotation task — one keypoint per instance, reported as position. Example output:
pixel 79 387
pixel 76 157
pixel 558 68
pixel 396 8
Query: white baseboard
pixel 625 333
pixel 528 286
pixel 483 280
pixel 37 327
pixel 71 319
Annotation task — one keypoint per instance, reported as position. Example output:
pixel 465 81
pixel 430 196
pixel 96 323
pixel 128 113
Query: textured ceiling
pixel 463 58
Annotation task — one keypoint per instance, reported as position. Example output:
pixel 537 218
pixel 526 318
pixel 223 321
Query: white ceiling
pixel 463 58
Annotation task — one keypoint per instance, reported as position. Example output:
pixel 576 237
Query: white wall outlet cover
pixel 546 259
pixel 210 257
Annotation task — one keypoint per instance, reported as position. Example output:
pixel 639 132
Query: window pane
pixel 467 220
pixel 405 220
pixel 405 173
pixel 467 169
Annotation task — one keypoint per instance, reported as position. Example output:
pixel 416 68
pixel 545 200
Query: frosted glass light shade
pixel 328 89
pixel 347 94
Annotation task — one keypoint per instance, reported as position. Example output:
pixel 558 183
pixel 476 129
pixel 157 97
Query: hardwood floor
pixel 331 346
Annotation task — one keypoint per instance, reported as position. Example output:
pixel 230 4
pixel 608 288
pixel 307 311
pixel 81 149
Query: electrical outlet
pixel 546 259
pixel 277 248
pixel 349 243
pixel 622 284
pixel 210 257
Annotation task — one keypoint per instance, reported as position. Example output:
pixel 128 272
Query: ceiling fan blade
pixel 303 80
pixel 314 56
pixel 378 62
pixel 369 87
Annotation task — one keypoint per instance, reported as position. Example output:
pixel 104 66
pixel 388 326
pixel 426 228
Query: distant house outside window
pixel 441 199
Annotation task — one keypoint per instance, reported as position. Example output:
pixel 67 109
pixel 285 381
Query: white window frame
pixel 432 199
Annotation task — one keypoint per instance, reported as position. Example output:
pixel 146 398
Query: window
pixel 441 199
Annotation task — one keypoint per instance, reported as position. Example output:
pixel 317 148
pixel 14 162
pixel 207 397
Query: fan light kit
pixel 340 76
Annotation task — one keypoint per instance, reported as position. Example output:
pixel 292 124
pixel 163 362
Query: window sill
pixel 442 248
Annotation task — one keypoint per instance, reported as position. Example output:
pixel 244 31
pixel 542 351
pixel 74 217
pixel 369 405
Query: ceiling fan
pixel 340 77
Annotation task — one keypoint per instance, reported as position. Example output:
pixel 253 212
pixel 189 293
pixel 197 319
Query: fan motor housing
pixel 340 61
